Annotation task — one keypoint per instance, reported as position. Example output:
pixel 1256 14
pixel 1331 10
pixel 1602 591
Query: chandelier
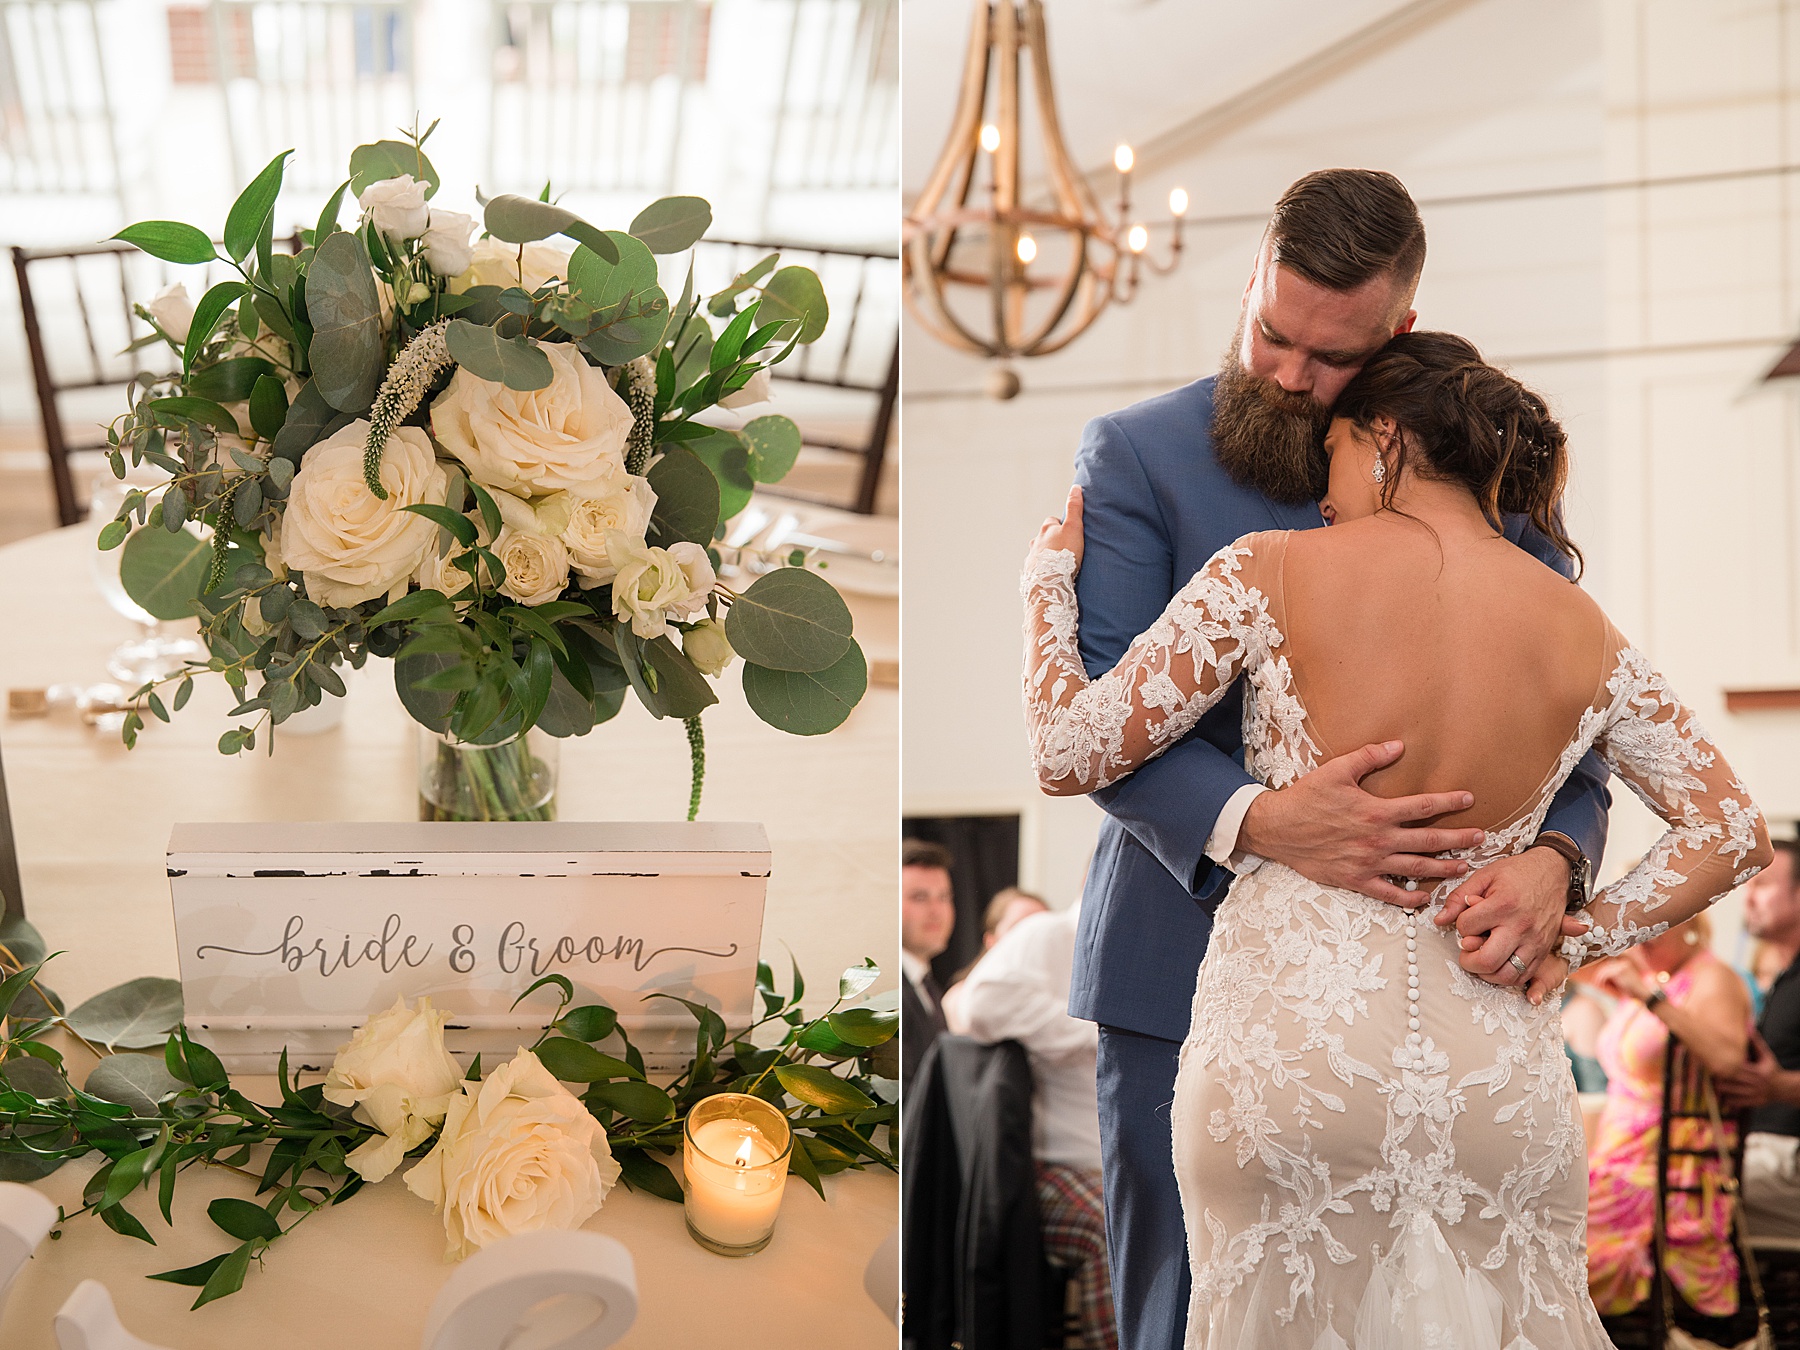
pixel 987 273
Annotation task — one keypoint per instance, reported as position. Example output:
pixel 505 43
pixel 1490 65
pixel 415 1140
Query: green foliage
pixel 375 163
pixel 254 208
pixel 345 313
pixel 133 1016
pixel 796 293
pixel 808 703
pixel 170 240
pixel 774 446
pixel 687 499
pixel 790 619
pixel 519 220
pixel 515 362
pixel 164 572
pixel 672 224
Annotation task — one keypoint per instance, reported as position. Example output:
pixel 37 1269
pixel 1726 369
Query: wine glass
pixel 156 653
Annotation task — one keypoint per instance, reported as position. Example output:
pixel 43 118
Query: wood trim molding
pixel 1761 700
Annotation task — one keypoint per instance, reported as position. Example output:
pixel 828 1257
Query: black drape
pixel 986 854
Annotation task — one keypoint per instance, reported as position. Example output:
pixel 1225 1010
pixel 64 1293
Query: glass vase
pixel 513 780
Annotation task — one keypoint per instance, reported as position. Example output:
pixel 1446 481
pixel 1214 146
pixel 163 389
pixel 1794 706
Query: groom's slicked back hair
pixel 1339 228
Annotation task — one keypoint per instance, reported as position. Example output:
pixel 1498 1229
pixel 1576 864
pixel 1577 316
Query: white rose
pixel 173 311
pixel 567 435
pixel 706 645
pixel 446 243
pixel 653 585
pixel 758 390
pixel 518 1153
pixel 351 545
pixel 494 262
pixel 398 1076
pixel 438 572
pixel 537 565
pixel 397 206
pixel 623 504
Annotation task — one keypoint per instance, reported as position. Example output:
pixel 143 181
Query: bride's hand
pixel 1061 534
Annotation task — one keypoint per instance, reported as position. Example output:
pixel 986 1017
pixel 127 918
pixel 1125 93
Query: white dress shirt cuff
pixel 1222 843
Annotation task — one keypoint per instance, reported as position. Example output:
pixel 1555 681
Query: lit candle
pixel 1123 159
pixel 1137 239
pixel 990 137
pixel 735 1153
pixel 1178 202
pixel 1027 248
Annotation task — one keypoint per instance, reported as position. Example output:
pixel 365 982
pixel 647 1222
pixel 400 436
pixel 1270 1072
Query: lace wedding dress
pixel 1375 1150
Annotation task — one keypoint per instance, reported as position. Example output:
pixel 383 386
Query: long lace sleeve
pixel 1716 839
pixel 1085 735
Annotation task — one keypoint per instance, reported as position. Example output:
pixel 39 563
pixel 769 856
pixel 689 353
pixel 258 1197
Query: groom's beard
pixel 1267 438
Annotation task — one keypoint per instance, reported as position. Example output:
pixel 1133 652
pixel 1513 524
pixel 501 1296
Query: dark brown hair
pixel 924 853
pixel 1339 228
pixel 1466 422
pixel 1791 847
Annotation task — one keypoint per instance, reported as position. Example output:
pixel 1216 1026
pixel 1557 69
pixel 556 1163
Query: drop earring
pixel 1379 472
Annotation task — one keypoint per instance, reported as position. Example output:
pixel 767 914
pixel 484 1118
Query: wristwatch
pixel 1581 871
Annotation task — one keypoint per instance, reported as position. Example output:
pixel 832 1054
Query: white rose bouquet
pixel 536 1142
pixel 481 458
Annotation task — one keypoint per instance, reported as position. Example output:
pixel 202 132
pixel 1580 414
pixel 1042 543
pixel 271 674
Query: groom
pixel 1168 482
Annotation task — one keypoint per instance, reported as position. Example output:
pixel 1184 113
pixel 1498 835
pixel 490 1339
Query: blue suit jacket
pixel 1157 506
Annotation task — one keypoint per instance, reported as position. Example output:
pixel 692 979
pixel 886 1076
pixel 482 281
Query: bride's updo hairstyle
pixel 1464 421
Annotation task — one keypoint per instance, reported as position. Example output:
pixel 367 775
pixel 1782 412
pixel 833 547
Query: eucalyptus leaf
pixel 807 703
pixel 790 619
pixel 680 690
pixel 520 220
pixel 231 380
pixel 25 1074
pixel 629 285
pixel 23 940
pixel 566 713
pixel 164 572
pixel 796 293
pixel 687 499
pixel 138 1081
pixel 725 453
pixel 382 160
pixel 516 362
pixel 774 446
pixel 307 417
pixel 132 1016
pixel 672 224
pixel 345 313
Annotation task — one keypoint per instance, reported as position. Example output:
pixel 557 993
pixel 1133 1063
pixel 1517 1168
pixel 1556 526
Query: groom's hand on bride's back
pixel 1327 828
pixel 1060 534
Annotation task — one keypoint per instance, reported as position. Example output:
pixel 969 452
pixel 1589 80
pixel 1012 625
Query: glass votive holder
pixel 735 1151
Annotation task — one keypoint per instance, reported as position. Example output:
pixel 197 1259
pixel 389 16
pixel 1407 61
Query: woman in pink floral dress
pixel 1671 983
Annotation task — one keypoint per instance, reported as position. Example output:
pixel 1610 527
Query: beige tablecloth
pixel 92 822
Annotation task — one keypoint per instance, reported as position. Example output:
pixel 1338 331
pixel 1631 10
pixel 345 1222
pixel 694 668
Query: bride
pixel 1374 1148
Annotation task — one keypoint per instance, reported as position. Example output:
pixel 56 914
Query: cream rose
pixel 518 1153
pixel 351 545
pixel 653 585
pixel 624 504
pixel 537 565
pixel 398 1076
pixel 706 645
pixel 568 435
pixel 494 262
pixel 758 390
pixel 397 206
pixel 437 569
pixel 446 243
pixel 173 311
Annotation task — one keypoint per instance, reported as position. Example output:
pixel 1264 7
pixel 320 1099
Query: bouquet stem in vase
pixel 513 780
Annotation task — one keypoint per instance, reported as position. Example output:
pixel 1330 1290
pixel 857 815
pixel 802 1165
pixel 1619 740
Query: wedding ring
pixel 1517 964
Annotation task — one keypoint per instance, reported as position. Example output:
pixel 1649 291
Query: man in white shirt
pixel 927 918
pixel 1019 991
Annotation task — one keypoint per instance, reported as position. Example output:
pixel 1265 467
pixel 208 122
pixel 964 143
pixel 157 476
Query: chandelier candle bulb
pixel 1027 248
pixel 735 1153
pixel 990 137
pixel 1138 239
pixel 1123 159
pixel 1178 203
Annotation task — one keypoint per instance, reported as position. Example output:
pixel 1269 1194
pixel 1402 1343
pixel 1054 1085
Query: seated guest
pixel 1768 1084
pixel 1019 991
pixel 1671 984
pixel 1003 911
pixel 927 918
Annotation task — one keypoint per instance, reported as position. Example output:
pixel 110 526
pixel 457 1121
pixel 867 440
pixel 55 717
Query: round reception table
pixel 92 823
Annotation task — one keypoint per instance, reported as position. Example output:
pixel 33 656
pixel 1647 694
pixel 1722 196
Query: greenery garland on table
pixel 358 466
pixel 153 1116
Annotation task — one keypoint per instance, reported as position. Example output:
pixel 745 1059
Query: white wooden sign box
pixel 294 934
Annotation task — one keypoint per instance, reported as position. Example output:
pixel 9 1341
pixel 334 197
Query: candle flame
pixel 990 137
pixel 742 1158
